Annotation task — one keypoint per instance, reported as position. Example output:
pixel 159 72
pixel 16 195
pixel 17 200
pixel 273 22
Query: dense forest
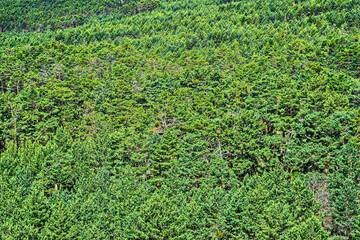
pixel 179 119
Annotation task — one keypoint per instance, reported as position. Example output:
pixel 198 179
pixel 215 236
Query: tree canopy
pixel 193 119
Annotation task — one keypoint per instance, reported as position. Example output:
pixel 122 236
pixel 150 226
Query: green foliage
pixel 44 15
pixel 196 119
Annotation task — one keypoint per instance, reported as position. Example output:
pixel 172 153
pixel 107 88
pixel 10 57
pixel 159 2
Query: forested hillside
pixel 169 119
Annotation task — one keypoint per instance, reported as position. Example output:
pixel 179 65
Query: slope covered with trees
pixel 195 119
